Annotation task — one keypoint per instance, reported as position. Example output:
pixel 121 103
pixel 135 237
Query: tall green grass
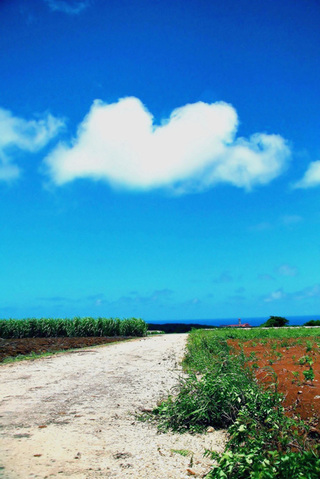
pixel 76 327
pixel 221 391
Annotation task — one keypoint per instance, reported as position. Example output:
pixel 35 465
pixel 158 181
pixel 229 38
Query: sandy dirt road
pixel 73 415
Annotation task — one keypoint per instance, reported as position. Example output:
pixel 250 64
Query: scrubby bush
pixel 313 322
pixel 275 322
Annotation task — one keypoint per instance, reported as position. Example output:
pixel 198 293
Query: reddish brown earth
pixel 25 346
pixel 285 360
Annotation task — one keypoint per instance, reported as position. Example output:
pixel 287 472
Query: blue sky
pixel 159 159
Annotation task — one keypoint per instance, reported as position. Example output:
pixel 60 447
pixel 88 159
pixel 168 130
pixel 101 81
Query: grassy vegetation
pixel 260 333
pixel 76 327
pixel 221 391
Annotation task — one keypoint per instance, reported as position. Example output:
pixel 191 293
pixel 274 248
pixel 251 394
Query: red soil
pixel 284 361
pixel 16 347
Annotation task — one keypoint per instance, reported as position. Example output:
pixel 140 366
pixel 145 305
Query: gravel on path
pixel 74 415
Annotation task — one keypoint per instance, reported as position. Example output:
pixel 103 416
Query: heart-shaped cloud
pixel 194 149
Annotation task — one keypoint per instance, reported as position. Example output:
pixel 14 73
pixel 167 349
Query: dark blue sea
pixel 293 320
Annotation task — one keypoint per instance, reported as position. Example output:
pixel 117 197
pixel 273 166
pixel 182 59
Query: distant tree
pixel 275 322
pixel 312 322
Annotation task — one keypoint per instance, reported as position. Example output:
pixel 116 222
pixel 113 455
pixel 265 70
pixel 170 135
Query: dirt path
pixel 72 415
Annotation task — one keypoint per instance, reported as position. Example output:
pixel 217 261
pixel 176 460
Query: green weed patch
pixel 221 391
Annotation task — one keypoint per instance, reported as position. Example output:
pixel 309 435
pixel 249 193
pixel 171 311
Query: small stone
pixel 300 392
pixel 210 429
pixel 191 472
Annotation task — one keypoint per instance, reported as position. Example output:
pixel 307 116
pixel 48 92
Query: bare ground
pixel 73 415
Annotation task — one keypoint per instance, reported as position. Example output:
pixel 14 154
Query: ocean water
pixel 293 320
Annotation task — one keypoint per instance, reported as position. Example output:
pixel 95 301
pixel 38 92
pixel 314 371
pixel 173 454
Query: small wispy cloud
pixel 308 293
pixel 289 220
pixel 224 277
pixel 58 299
pixel 236 298
pixel 311 177
pixel 275 296
pixel 18 134
pixel 71 7
pixel 193 150
pixel 265 277
pixel 156 296
pixel 287 270
pixel 262 226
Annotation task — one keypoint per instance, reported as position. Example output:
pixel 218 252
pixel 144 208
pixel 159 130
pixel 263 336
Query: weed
pixel 309 375
pixel 308 346
pixel 302 360
pixel 252 356
pixel 182 452
pixel 221 391
pixel 296 375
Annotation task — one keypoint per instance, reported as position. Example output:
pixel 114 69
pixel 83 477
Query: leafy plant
pixel 309 346
pixel 308 374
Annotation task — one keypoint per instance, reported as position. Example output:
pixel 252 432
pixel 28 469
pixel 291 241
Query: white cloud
pixel 194 149
pixel 307 293
pixel 287 270
pixel 311 177
pixel 275 296
pixel 289 220
pixel 25 135
pixel 265 277
pixel 224 277
pixel 73 7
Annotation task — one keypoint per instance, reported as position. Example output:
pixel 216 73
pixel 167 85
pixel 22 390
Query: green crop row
pixel 76 327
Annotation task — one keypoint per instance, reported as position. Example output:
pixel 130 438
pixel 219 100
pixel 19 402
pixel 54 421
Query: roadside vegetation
pixel 76 327
pixel 221 391
pixel 261 333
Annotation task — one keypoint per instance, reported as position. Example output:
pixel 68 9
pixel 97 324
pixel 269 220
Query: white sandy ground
pixel 73 415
